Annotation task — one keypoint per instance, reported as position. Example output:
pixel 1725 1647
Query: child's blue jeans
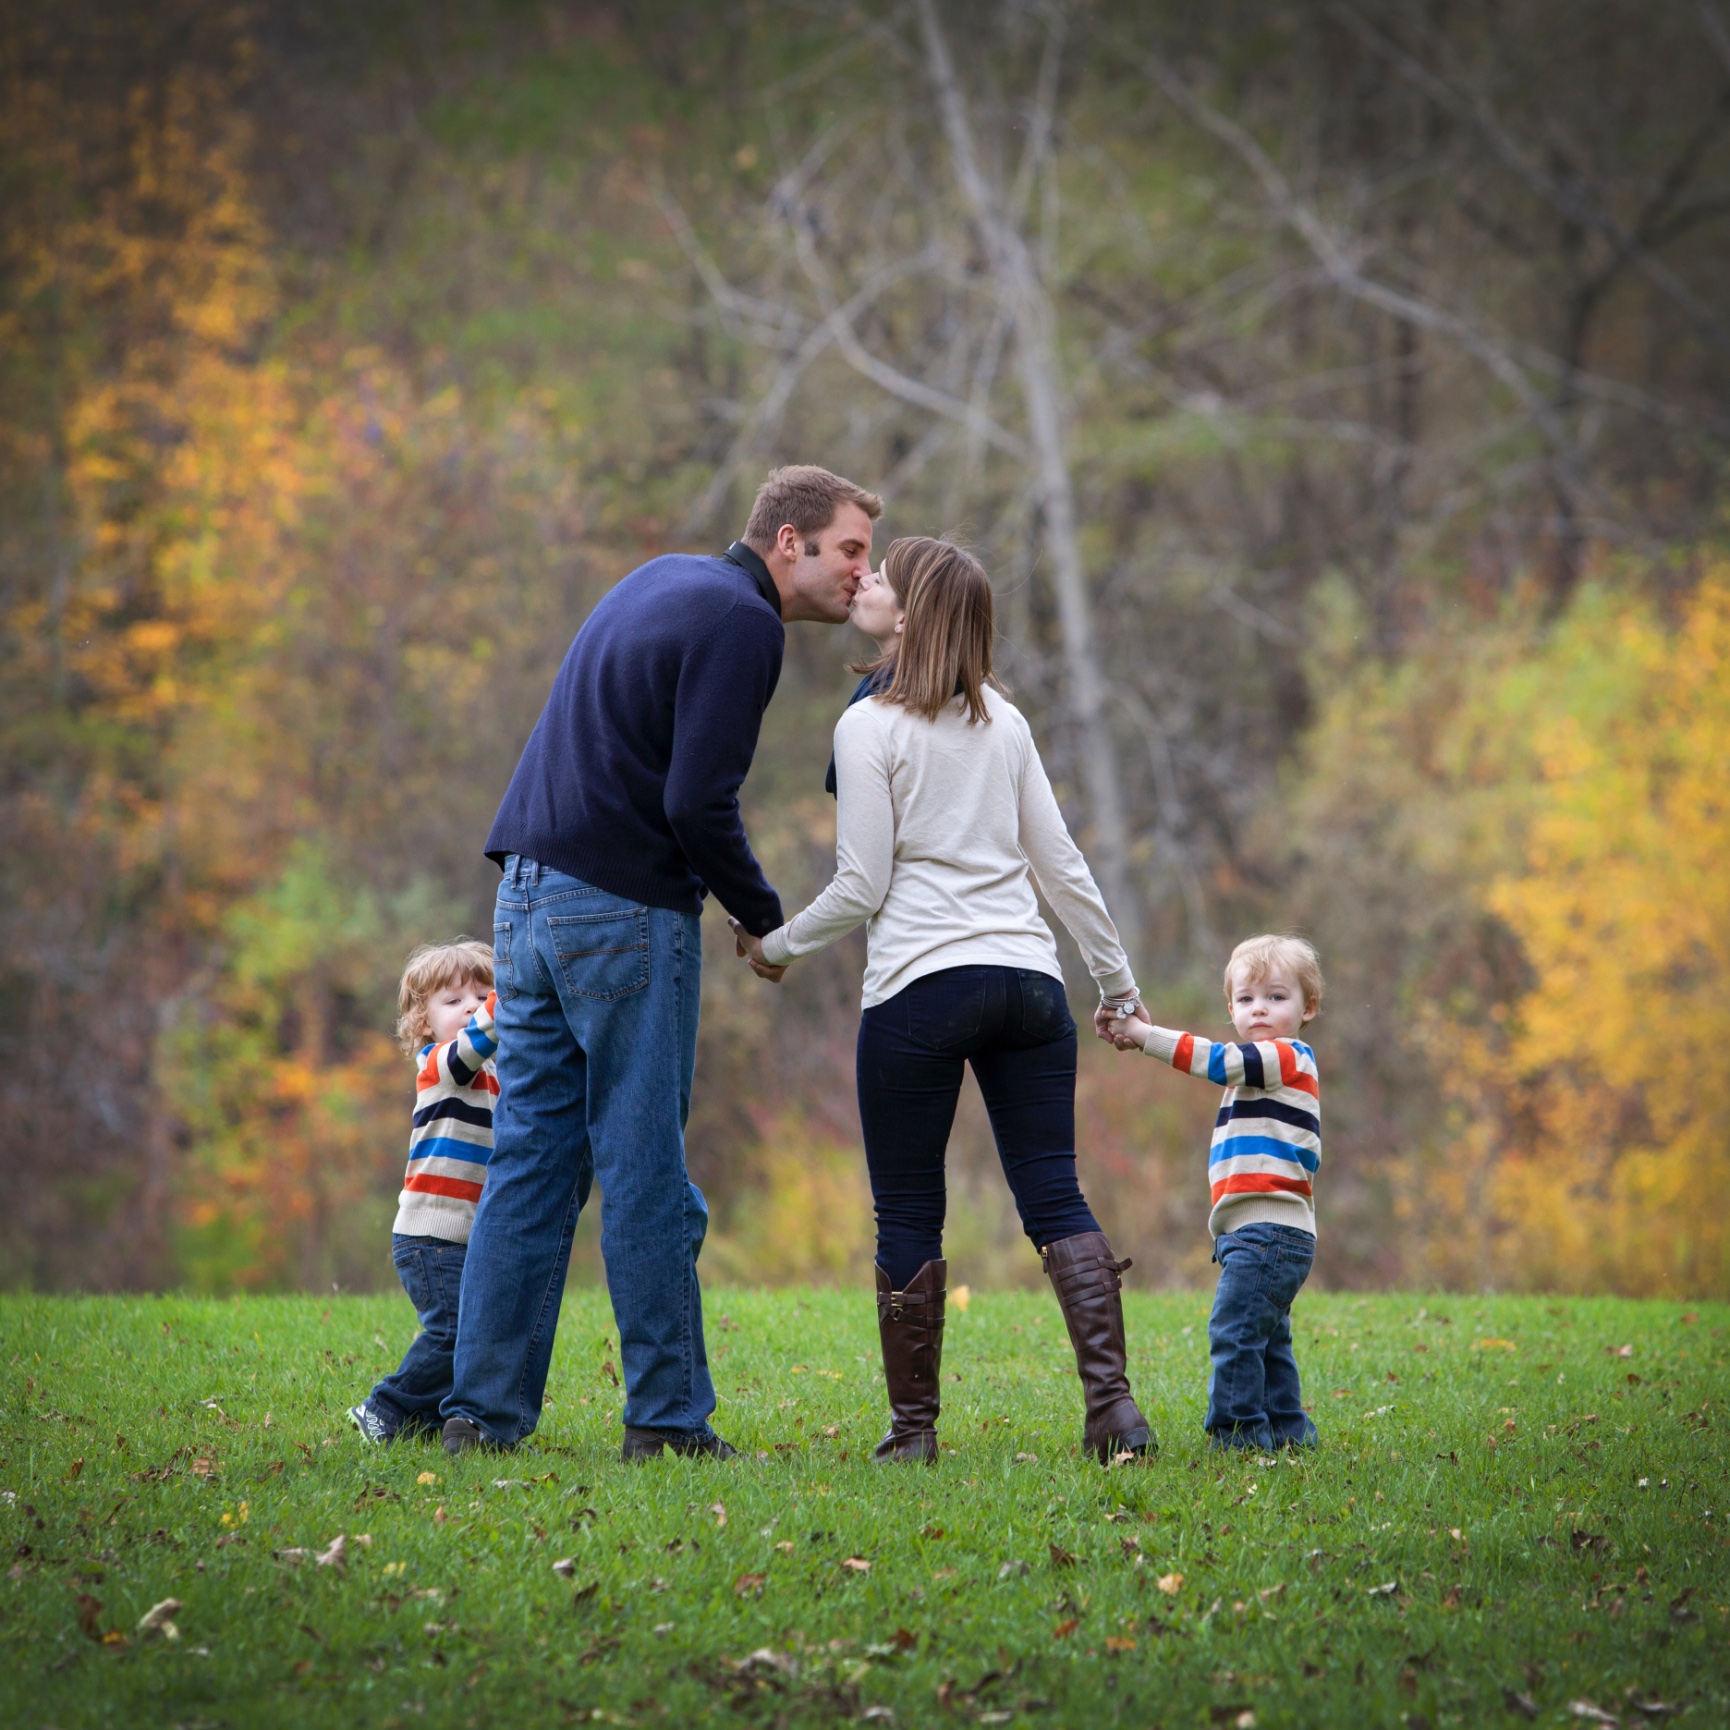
pixel 431 1271
pixel 1253 1396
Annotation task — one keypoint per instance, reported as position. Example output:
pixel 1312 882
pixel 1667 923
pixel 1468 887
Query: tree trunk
pixel 1037 364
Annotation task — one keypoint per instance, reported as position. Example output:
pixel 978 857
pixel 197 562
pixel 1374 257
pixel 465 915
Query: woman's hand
pixel 1112 1027
pixel 749 948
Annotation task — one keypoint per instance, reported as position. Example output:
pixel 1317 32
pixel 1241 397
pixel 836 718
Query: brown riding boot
pixel 910 1325
pixel 1085 1275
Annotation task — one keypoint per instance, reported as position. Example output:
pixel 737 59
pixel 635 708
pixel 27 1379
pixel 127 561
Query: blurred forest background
pixel 1339 394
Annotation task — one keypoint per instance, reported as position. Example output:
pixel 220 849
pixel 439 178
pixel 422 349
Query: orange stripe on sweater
pixel 429 1183
pixel 1261 1183
pixel 1180 1058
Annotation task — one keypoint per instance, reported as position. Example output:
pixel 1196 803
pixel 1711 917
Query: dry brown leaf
pixel 750 1585
pixel 1065 1628
pixel 335 1555
pixel 719 1510
pixel 857 1564
pixel 565 1567
pixel 159 1619
pixel 1170 1584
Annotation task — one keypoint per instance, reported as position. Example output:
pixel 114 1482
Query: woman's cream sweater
pixel 945 829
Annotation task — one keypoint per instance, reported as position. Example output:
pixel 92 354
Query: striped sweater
pixel 452 1139
pixel 1267 1139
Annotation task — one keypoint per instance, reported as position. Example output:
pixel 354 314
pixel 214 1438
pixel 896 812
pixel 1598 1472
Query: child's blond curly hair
pixel 1256 957
pixel 430 968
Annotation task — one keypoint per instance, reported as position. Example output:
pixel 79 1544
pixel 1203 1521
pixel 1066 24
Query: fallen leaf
pixel 1114 1644
pixel 584 1593
pixel 857 1565
pixel 931 1531
pixel 1065 1628
pixel 74 1469
pixel 1493 1345
pixel 293 1556
pixel 1170 1584
pixel 1060 1557
pixel 159 1619
pixel 1588 1540
pixel 1385 1590
pixel 88 1607
pixel 750 1585
pixel 1012 1568
pixel 565 1567
pixel 720 1513
pixel 335 1556
pixel 439 1515
pixel 1523 1704
pixel 609 1372
pixel 427 1478
pixel 1654 1707
pixel 1592 1712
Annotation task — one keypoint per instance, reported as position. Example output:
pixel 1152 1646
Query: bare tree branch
pixel 1018 284
pixel 1569 199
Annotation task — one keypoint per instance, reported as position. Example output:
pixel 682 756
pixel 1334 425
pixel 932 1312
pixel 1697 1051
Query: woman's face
pixel 876 611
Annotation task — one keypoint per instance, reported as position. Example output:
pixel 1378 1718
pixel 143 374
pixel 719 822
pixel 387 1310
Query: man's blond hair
pixel 431 968
pixel 1256 957
pixel 806 497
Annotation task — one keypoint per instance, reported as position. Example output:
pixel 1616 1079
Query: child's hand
pixel 1109 1025
pixel 1131 1033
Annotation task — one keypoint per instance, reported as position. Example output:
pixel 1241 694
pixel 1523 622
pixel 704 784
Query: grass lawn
pixel 1519 1513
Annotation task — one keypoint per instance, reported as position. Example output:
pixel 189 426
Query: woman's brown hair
pixel 949 625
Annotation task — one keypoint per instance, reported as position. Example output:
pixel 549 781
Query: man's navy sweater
pixel 631 777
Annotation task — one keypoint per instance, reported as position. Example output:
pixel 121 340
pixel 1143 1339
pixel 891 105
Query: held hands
pixel 1126 1032
pixel 749 948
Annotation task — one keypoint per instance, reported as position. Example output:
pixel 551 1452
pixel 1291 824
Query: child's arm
pixel 459 1062
pixel 1268 1063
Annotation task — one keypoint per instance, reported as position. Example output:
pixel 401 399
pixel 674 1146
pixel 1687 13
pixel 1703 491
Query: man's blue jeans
pixel 431 1271
pixel 1253 1396
pixel 597 1028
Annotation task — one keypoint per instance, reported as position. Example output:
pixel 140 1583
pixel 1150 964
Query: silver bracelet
pixel 1121 1007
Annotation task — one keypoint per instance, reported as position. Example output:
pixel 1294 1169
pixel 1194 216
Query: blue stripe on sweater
pixel 443 1147
pixel 1235 1146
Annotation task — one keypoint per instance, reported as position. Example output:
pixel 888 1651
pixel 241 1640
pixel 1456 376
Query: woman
pixel 946 822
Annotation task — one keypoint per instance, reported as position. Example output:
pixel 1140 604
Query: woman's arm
pixel 864 845
pixel 1064 879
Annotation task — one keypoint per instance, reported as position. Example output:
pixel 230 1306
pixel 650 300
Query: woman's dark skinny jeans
pixel 1014 1027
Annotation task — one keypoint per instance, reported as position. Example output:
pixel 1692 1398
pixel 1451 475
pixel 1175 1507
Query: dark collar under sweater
pixel 749 560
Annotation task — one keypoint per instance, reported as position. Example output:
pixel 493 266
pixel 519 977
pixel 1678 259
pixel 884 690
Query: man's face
pixel 822 582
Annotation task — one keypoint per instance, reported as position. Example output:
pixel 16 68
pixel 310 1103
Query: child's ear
pixel 1311 1010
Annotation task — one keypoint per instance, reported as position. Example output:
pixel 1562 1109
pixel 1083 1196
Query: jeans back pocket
pixel 602 955
pixel 946 1011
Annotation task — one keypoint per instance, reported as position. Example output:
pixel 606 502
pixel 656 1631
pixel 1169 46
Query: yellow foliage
pixel 1617 1062
pixel 806 1217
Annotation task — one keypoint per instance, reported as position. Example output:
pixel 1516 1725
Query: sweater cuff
pixel 1162 1043
pixel 1118 984
pixel 777 949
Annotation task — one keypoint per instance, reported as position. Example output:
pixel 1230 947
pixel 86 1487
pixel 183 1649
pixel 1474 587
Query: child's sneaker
pixel 372 1427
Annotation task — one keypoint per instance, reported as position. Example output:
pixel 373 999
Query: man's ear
pixel 789 543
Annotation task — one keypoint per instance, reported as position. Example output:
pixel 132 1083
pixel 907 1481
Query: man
pixel 622 815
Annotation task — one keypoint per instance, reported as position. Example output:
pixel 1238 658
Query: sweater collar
pixel 750 561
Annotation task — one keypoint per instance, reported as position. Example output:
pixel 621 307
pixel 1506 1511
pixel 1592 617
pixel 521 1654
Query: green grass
pixel 1408 1573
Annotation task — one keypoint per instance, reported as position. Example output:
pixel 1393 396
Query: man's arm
pixel 725 684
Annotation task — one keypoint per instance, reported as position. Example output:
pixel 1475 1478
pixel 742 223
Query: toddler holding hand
pixel 446 1003
pixel 1266 1150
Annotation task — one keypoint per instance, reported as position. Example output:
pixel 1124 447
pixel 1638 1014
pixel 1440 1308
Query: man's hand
pixel 1110 1026
pixel 749 948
